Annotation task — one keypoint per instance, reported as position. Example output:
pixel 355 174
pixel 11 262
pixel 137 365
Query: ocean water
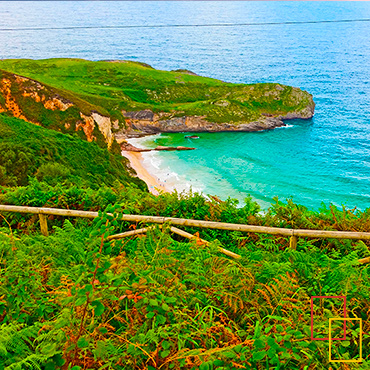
pixel 325 159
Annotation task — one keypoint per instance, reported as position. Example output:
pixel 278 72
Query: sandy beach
pixel 135 159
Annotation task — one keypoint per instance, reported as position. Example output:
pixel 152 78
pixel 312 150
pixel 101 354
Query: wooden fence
pixel 292 233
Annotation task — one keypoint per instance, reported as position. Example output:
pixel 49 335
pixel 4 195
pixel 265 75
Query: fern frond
pixel 68 227
pixel 266 296
pixel 31 362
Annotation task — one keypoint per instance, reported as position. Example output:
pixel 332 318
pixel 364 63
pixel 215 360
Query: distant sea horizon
pixel 319 161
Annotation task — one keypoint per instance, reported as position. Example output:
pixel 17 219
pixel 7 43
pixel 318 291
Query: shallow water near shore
pixel 284 161
pixel 326 159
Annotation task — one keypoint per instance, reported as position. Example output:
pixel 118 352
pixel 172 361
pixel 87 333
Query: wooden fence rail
pixel 293 233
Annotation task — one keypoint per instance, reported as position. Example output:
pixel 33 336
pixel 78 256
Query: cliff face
pixel 34 102
pixel 109 101
pixel 148 122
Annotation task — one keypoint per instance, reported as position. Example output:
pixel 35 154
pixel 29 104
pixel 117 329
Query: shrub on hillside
pixel 52 173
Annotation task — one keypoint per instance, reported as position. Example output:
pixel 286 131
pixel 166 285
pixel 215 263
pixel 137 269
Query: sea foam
pixel 154 163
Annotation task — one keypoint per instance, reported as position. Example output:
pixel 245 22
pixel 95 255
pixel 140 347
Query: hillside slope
pixel 107 100
pixel 27 150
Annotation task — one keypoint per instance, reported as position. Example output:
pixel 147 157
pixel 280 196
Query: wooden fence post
pixel 43 224
pixel 293 242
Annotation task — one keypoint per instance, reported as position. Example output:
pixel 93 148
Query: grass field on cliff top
pixel 110 87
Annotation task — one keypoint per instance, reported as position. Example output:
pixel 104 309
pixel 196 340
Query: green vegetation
pixel 74 300
pixel 27 150
pixel 110 87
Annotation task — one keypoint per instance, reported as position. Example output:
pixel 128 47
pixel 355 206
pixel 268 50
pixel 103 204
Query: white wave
pixel 154 163
pixel 286 126
pixel 145 142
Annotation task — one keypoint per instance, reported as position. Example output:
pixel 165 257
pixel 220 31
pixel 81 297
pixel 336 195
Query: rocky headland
pixel 146 122
pixel 109 102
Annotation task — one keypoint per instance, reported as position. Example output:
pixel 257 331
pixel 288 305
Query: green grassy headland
pixel 111 87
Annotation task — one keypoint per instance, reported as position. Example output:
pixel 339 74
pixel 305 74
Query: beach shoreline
pixel 155 172
pixel 136 162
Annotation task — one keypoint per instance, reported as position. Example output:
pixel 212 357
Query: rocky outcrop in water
pixel 148 122
pixel 197 124
pixel 131 148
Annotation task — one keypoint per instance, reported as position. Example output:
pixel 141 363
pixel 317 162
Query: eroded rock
pixel 10 103
pixel 87 126
pixel 200 124
pixel 58 104
pixel 105 127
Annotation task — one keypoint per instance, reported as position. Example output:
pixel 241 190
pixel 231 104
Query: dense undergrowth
pixel 75 300
pixel 28 151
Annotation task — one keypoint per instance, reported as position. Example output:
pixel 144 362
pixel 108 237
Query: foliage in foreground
pixel 74 300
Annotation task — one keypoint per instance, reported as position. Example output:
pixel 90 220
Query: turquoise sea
pixel 326 159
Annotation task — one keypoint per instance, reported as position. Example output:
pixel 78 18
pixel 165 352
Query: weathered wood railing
pixel 292 233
